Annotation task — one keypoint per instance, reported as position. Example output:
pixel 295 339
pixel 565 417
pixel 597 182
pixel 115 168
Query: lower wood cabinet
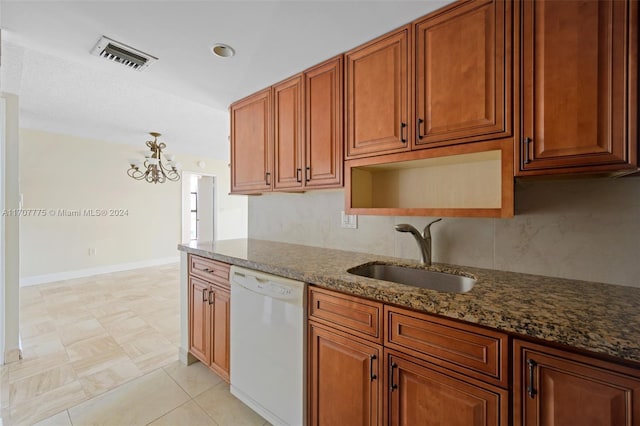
pixel 344 379
pixel 555 388
pixel 209 320
pixel 354 380
pixel 420 393
pixel 199 313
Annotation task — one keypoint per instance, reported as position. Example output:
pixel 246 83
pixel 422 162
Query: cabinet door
pixel 556 388
pixel 423 396
pixel 324 125
pixel 378 98
pixel 199 319
pixel 288 133
pixel 251 144
pixel 462 56
pixel 220 315
pixel 344 382
pixel 579 79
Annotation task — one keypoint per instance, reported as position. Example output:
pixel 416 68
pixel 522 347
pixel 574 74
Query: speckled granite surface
pixel 602 318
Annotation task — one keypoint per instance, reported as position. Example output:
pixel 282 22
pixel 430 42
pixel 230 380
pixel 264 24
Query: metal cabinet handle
pixel 371 359
pixel 531 390
pixel 267 175
pixel 307 173
pixel 392 385
pixel 420 121
pixel 204 294
pixel 403 139
pixel 211 293
pixel 527 142
pixel 298 177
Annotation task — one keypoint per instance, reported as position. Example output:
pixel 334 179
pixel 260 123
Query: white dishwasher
pixel 268 345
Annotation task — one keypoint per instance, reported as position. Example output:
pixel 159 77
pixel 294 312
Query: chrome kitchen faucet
pixel 424 240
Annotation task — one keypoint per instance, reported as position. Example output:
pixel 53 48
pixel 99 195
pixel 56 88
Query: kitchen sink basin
pixel 423 278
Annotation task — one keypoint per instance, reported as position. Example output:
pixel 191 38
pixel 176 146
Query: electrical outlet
pixel 349 221
pixel 92 251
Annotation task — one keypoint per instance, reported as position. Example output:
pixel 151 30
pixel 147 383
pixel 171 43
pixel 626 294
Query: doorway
pixel 198 207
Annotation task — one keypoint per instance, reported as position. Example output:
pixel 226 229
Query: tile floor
pixel 103 351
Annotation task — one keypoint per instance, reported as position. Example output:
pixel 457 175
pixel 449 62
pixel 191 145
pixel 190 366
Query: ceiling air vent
pixel 123 54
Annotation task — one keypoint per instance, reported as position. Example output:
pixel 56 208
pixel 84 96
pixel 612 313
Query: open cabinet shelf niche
pixel 473 179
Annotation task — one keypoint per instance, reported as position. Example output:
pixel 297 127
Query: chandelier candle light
pixel 156 171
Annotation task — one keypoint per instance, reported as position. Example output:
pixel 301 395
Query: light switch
pixel 349 221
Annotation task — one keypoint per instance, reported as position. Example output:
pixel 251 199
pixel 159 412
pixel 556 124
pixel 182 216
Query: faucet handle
pixel 427 229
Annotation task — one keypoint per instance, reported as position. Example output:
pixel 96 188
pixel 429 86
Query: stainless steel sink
pixel 423 278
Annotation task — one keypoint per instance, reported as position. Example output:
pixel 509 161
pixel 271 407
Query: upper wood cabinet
pixel 579 79
pixel 251 144
pixel 378 95
pixel 463 86
pixel 288 130
pixel 324 106
pixel 455 64
pixel 290 137
pixel 554 388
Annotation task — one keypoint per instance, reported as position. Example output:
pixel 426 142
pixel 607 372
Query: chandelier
pixel 154 169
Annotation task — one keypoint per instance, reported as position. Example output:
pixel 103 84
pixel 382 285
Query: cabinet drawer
pixel 347 313
pixel 209 270
pixel 471 350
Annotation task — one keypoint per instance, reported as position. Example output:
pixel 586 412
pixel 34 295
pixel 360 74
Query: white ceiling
pixel 185 94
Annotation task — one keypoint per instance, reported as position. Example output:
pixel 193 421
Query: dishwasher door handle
pixel 251 283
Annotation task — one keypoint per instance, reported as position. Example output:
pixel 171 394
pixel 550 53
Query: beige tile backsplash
pixel 587 229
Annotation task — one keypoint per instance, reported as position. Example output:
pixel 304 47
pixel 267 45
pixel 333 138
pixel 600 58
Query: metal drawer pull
pixel 204 294
pixel 267 175
pixel 298 175
pixel 420 121
pixel 392 385
pixel 402 127
pixel 307 174
pixel 527 142
pixel 211 301
pixel 530 389
pixel 371 359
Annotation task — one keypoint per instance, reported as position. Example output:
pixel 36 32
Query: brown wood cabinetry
pixel 463 85
pixel 423 394
pixel 454 63
pixel 220 322
pixel 347 313
pixel 470 350
pixel 251 144
pixel 209 308
pixel 344 379
pixel 431 382
pixel 324 125
pixel 199 319
pixel 378 90
pixel 288 131
pixel 344 370
pixel 579 81
pixel 554 387
pixel 296 143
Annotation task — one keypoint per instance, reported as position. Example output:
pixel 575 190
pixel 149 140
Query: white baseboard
pixel 81 273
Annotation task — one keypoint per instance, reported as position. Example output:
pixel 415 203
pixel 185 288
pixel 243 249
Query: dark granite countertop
pixel 601 318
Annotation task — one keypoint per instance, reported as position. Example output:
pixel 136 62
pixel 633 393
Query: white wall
pixel 61 172
pixel 10 229
pixel 585 229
